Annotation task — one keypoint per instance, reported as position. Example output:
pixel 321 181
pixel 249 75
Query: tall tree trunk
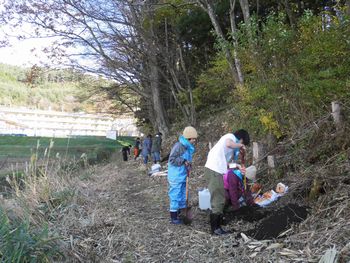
pixel 157 103
pixel 235 43
pixel 289 13
pixel 193 119
pixel 347 3
pixel 149 38
pixel 208 7
pixel 174 83
pixel 246 15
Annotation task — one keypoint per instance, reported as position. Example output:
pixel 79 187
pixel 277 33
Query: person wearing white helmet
pixel 237 191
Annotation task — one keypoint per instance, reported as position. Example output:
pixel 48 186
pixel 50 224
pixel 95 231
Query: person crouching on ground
pixel 237 192
pixel 179 165
pixel 216 166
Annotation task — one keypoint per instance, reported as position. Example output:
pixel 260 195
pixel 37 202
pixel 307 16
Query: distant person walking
pixel 137 148
pixel 146 148
pixel 156 147
pixel 126 152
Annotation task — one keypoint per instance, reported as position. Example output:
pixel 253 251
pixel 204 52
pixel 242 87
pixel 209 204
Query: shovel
pixel 242 152
pixel 242 157
pixel 186 214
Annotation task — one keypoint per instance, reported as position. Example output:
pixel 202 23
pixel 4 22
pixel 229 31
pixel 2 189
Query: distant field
pixel 23 147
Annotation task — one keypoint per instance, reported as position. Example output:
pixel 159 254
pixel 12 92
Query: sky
pixel 21 52
pixel 24 53
pixel 28 52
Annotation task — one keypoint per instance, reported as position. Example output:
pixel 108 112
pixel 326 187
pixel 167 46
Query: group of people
pixel 227 184
pixel 150 147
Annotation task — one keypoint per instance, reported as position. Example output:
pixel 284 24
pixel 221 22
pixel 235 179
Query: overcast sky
pixel 24 52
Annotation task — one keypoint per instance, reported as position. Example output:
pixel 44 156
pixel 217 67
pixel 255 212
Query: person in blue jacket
pixel 179 164
pixel 146 148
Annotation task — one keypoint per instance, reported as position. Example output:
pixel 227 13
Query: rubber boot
pixel 215 225
pixel 224 220
pixel 174 219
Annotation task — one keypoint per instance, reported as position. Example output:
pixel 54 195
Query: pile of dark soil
pixel 278 221
pixel 247 213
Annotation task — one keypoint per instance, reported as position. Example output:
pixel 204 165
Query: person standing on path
pixel 137 148
pixel 146 148
pixel 228 147
pixel 156 147
pixel 179 165
pixel 126 152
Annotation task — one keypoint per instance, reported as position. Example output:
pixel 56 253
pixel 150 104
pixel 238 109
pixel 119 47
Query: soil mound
pixel 278 221
pixel 247 213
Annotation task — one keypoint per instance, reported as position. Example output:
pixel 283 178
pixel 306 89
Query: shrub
pixel 21 243
pixel 291 74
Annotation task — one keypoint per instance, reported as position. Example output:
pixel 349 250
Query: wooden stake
pixel 256 152
pixel 271 162
pixel 336 114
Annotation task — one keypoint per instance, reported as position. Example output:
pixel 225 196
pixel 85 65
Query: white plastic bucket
pixel 204 199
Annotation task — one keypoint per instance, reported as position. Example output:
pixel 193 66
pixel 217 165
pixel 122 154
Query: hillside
pixel 55 89
pixel 119 214
pixel 278 69
pixel 131 224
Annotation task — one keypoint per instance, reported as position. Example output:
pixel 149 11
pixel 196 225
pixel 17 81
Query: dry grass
pixel 120 214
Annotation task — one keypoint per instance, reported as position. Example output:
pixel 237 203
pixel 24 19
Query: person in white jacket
pixel 227 148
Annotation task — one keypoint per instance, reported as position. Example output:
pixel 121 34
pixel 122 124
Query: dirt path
pixel 122 216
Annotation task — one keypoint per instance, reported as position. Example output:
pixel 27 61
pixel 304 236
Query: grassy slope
pixel 23 147
pixel 14 91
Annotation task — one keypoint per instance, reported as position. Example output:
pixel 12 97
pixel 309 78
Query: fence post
pixel 257 152
pixel 271 164
pixel 336 114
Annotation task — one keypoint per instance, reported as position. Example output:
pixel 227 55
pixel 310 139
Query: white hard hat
pixel 250 173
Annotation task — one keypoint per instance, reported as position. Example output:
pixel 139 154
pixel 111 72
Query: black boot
pixel 222 221
pixel 216 229
pixel 175 218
